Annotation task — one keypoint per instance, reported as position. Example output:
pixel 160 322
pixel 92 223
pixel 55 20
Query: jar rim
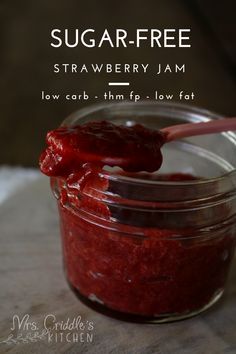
pixel 194 111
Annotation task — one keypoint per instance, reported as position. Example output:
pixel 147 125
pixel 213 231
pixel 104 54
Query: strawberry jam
pixel 102 143
pixel 130 250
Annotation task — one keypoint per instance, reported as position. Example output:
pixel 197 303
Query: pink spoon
pixel 179 131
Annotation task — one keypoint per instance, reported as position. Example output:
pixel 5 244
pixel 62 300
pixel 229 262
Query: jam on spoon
pixel 100 143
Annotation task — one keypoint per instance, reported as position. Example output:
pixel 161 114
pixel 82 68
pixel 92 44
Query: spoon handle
pixel 179 131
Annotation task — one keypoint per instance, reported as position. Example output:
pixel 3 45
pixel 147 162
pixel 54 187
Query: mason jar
pixel 152 247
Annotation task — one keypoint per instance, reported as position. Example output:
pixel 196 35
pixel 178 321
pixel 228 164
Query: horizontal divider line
pixel 118 83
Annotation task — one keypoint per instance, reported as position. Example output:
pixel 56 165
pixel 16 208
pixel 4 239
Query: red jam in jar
pixel 139 244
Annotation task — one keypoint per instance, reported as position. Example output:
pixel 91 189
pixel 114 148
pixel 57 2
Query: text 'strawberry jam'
pixel 144 246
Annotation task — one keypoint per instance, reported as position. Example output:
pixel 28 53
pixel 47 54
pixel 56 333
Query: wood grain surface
pixel 32 282
pixel 27 59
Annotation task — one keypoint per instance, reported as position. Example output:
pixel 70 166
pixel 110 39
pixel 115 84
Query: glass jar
pixel 145 248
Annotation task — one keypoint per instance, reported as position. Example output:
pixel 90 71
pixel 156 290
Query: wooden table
pixel 32 282
pixel 26 62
